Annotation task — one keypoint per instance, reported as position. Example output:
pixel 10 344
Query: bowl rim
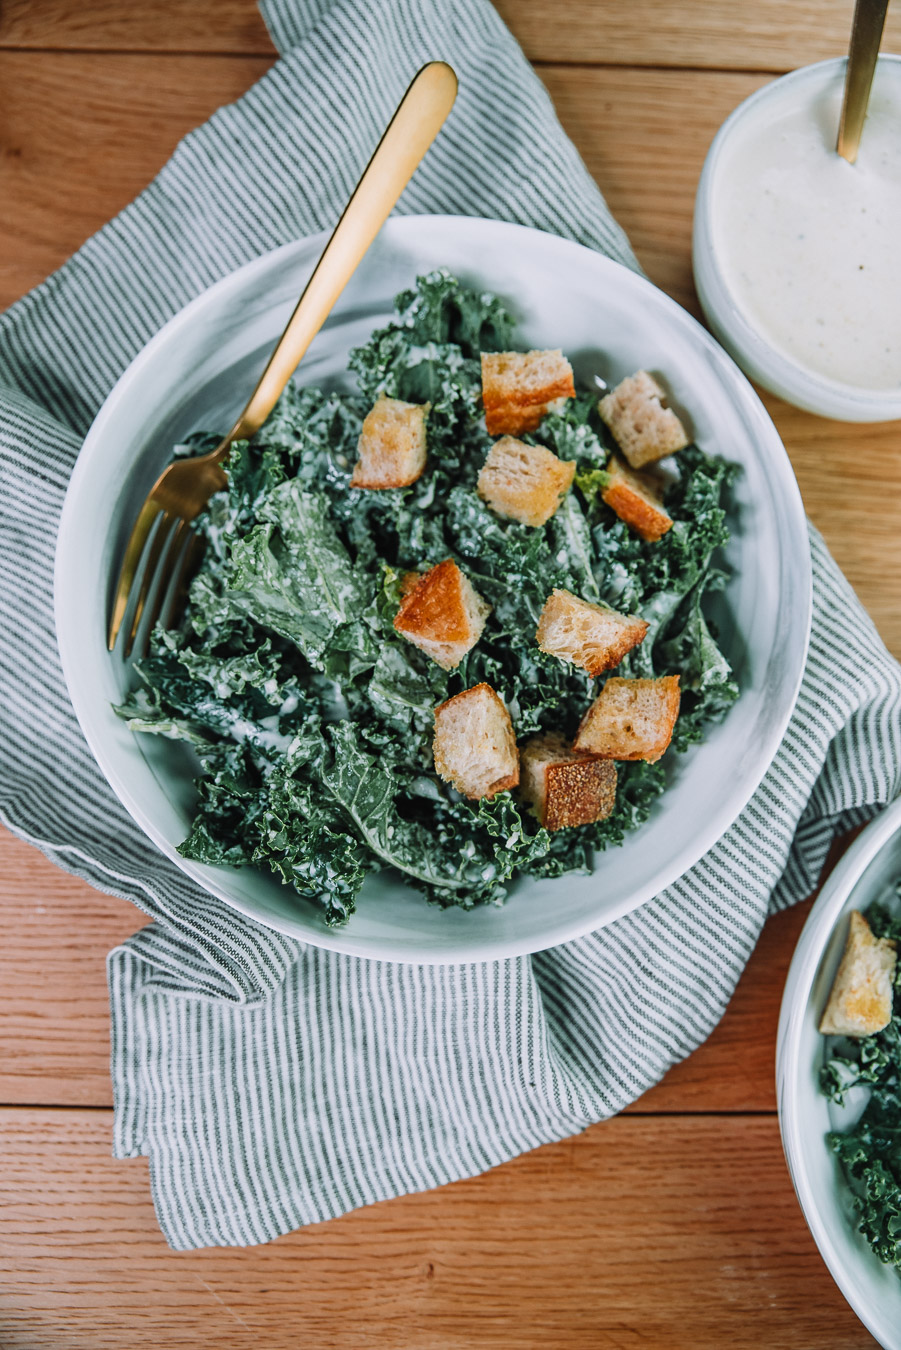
pixel 711 829
pixel 805 964
pixel 770 366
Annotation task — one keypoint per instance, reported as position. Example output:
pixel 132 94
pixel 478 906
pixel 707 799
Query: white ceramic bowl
pixel 196 373
pixel 869 871
pixel 769 365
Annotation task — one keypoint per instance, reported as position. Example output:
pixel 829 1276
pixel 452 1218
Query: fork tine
pixel 130 564
pixel 172 553
pixel 179 592
pixel 159 546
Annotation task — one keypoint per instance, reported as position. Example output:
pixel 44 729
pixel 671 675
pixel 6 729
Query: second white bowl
pixel 869 871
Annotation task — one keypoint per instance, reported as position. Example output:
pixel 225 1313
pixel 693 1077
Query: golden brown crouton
pixel 442 614
pixel 860 1001
pixel 631 719
pixel 644 429
pixel 524 482
pixel 474 745
pixel 391 448
pixel 518 388
pixel 564 788
pixel 637 499
pixel 592 636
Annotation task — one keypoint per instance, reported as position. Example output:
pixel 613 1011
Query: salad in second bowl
pixel 863 1013
pixel 390 653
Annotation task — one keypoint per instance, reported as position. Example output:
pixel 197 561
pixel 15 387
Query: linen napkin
pixel 274 1084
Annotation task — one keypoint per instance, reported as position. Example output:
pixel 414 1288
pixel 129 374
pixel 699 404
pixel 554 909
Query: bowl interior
pixel 196 374
pixel 870 871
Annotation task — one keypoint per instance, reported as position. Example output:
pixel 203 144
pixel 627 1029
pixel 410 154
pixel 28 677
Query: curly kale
pixel 312 719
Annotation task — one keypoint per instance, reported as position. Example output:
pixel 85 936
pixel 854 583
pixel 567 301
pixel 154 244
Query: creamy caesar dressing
pixel 811 245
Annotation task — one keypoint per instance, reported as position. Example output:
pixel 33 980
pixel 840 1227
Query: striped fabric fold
pixel 273 1084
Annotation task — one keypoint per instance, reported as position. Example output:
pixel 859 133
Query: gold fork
pixel 161 556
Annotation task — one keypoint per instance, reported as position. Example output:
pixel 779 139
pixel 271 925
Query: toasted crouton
pixel 631 719
pixel 644 429
pixel 518 388
pixel 592 636
pixel 391 449
pixel 442 614
pixel 524 482
pixel 564 788
pixel 474 745
pixel 637 499
pixel 860 1001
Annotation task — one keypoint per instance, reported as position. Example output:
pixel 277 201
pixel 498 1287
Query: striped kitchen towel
pixel 274 1084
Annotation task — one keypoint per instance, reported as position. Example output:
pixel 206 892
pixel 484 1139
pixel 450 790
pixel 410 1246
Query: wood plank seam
pixel 538 64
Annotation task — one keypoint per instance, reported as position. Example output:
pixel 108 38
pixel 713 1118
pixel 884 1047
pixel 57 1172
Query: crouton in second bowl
pixel 607 321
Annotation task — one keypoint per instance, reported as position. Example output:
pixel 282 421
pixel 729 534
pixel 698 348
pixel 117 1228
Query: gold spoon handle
pixel 866 34
pixel 409 134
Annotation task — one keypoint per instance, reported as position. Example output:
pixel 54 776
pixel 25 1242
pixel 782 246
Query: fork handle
pixel 409 134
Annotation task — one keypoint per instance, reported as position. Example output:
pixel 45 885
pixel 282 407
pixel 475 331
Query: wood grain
pixel 54 1012
pixel 768 35
pixel 664 1232
pixel 80 136
pixel 229 26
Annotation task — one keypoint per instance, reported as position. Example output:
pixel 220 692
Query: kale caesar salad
pixel 390 654
pixel 864 1012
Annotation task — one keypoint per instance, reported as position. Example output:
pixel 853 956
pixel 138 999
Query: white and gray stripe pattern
pixel 273 1084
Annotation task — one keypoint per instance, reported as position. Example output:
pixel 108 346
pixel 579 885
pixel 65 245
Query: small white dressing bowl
pixel 759 355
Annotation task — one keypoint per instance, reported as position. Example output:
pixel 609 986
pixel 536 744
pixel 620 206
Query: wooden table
pixel 674 1225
